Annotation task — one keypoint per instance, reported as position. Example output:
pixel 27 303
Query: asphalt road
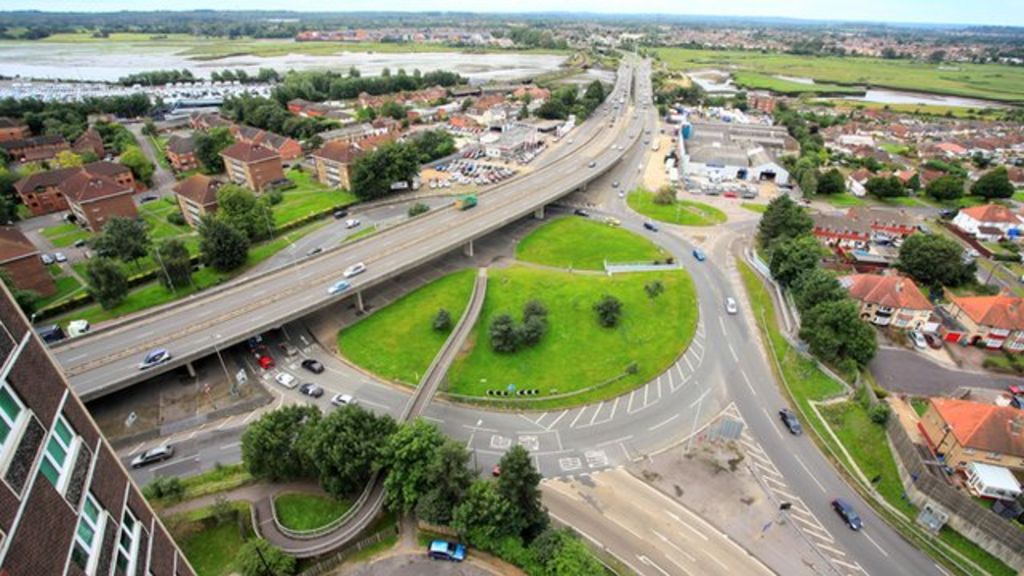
pixel 108 359
pixel 907 372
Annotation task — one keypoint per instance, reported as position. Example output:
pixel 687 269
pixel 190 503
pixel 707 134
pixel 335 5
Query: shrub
pixel 176 218
pixel 504 336
pixel 165 488
pixel 608 309
pixel 274 197
pixel 879 413
pixel 417 209
pixel 442 321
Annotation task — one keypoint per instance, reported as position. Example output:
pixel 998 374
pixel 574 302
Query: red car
pixel 730 194
pixel 1016 390
pixel 263 358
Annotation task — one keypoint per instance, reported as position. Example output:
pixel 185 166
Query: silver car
pixel 730 306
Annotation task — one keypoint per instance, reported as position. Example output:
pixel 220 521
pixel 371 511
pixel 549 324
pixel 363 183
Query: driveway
pixel 907 372
pixel 419 565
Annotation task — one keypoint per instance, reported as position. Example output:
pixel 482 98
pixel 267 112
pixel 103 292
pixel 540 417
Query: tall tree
pixel 125 239
pixel 373 174
pixel 809 182
pixel 240 209
pixel 934 260
pixel 994 184
pixel 885 187
pixel 408 457
pixel 175 264
pixel 209 145
pixel 106 282
pixel 948 187
pixel 816 286
pixel 485 516
pixel 790 259
pixel 221 246
pixel 271 446
pixel 345 447
pixel 832 182
pixel 836 334
pixel 609 310
pixel 142 168
pixel 451 476
pixel 257 557
pixel 503 333
pixel 519 483
pixel 783 219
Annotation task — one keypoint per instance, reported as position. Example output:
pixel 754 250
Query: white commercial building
pixel 726 151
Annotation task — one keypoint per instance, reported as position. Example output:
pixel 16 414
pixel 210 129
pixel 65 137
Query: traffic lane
pixel 413 236
pixel 907 372
pixel 649 532
pixel 418 564
pixel 194 451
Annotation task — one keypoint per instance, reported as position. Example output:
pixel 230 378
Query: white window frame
pixel 70 453
pixel 92 549
pixel 131 554
pixel 17 425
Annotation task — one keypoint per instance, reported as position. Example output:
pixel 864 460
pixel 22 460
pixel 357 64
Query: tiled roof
pixel 14 244
pixel 1000 311
pixel 984 427
pixel 198 188
pixel 109 169
pixel 338 151
pixel 85 187
pixel 892 291
pixel 992 213
pixel 181 145
pixel 249 152
pixel 45 179
pixel 6 122
pixel 31 142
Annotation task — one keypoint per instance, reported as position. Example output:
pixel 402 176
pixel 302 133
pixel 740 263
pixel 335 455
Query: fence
pixel 330 563
pixel 968 239
pixel 980 525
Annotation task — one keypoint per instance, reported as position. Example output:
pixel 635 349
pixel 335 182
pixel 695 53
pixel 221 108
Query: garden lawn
pixel 211 546
pixel 844 200
pixel 577 352
pixel 683 212
pixel 398 341
pixel 66 286
pixel 300 511
pixel 155 214
pixel 64 235
pixel 575 242
pixel 308 197
pixel 759 208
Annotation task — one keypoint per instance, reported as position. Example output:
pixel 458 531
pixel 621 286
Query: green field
pixel 755 81
pixel 844 200
pixel 211 545
pixel 300 511
pixel 397 342
pixel 917 109
pixel 574 242
pixel 989 81
pixel 577 352
pixel 759 208
pixel 64 235
pixel 682 212
pixel 307 198
pixel 155 214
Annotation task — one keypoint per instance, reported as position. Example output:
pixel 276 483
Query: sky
pixel 998 12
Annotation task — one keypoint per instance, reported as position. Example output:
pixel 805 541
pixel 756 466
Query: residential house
pixel 207 120
pixel 286 148
pixel 993 321
pixel 42 192
pixel 332 162
pixel 34 148
pixel 535 93
pixel 21 260
pixel 1016 176
pixel 988 220
pixel 253 166
pixel 966 432
pixel 951 149
pixel 889 300
pixel 119 173
pixel 11 129
pixel 181 152
pixel 350 133
pixel 90 142
pixel 95 199
pixel 762 102
pixel 197 197
pixel 884 223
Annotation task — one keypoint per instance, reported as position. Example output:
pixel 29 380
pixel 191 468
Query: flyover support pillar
pixel 467 249
pixel 359 301
pixel 191 369
pixel 538 214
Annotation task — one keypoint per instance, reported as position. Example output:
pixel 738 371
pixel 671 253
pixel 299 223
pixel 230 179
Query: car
pixel 46 258
pixel 496 471
pixel 1017 401
pixel 158 454
pixel 343 400
pixel 313 366
pixel 615 184
pixel 1015 389
pixel 791 422
pixel 149 198
pixel 338 287
pixel 315 251
pixel 287 380
pixel 445 550
pixel 651 226
pixel 622 194
pixel 933 340
pixel 155 357
pixel 847 513
pixel 730 305
pixel 60 257
pixel 612 221
pixel 311 390
pixel 288 349
pixel 340 213
pixel 730 194
pixel 355 270
pixel 581 212
pixel 918 339
pixel 351 223
pixel 699 255
pixel 79 243
pixel 265 361
pixel 591 164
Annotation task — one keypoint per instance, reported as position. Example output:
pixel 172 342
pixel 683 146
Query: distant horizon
pixel 944 13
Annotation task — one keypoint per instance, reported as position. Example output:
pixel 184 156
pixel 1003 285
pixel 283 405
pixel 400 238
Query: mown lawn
pixel 398 342
pixel 577 352
pixel 308 197
pixel 844 200
pixel 211 545
pixel 66 286
pixel 682 212
pixel 155 214
pixel 300 511
pixel 575 242
pixel 759 208
pixel 64 235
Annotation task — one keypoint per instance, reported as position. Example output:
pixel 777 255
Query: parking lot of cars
pixel 469 171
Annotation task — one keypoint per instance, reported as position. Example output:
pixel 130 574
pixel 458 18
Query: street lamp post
pixel 216 339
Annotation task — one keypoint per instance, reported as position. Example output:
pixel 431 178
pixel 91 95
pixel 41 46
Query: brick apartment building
pixel 21 259
pixel 332 162
pixel 34 148
pixel 181 152
pixel 95 199
pixel 253 166
pixel 89 142
pixel 67 504
pixel 197 196
pixel 11 129
pixel 44 192
pixel 286 148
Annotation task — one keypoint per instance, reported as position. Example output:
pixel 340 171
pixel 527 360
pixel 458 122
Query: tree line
pixel 565 100
pixel 373 174
pixel 162 77
pixel 70 119
pixel 269 114
pixel 318 86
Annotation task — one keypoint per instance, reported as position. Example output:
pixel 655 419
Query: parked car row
pixel 58 257
pixel 467 172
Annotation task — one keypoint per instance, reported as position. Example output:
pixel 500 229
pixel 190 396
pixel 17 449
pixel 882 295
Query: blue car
pixel 847 513
pixel 699 255
pixel 338 287
pixel 445 550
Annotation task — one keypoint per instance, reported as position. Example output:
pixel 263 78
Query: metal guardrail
pixel 326 528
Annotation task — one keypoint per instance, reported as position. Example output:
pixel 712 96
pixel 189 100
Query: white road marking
pixel 556 420
pixel 542 416
pixel 78 357
pixel 664 539
pixel 733 352
pixel 230 446
pixel 688 365
pixel 872 540
pixel 701 399
pixel 137 448
pixel 659 384
pixel 747 380
pixel 808 470
pixel 853 566
pixel 629 406
pixel 830 549
pixel 608 442
pixel 645 395
pixel 374 404
pixel 716 561
pixel 573 423
pixel 699 534
pixel 437 420
pixel 721 321
pixel 615 407
pixel 663 423
pixel 249 417
pixel 596 412
pixel 645 560
pixel 772 423
pixel 224 423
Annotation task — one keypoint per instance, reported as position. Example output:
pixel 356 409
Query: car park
pixel 155 358
pixel 445 550
pixel 791 422
pixel 311 390
pixel 351 223
pixel 651 226
pixel 265 361
pixel 158 454
pixel 313 366
pixel 355 270
pixel 343 400
pixel 699 255
pixel 287 380
pixel 730 305
pixel 338 287
pixel 918 339
pixel 847 513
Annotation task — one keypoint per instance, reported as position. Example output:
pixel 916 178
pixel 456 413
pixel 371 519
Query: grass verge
pixel 300 511
pixel 574 242
pixel 210 543
pixel 64 235
pixel 308 197
pixel 759 208
pixel 681 212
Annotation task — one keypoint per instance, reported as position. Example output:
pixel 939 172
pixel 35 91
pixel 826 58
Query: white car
pixel 47 259
pixel 351 223
pixel 338 287
pixel 343 400
pixel 918 339
pixel 60 257
pixel 287 380
pixel 355 270
pixel 730 306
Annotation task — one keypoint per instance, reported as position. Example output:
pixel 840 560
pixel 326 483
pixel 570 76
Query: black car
pixel 791 422
pixel 315 251
pixel 313 366
pixel 651 226
pixel 847 513
pixel 340 213
pixel 581 212
pixel 311 390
